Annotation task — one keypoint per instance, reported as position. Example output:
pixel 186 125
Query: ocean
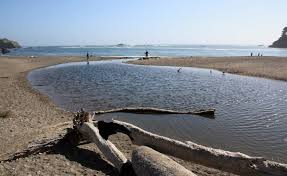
pixel 154 50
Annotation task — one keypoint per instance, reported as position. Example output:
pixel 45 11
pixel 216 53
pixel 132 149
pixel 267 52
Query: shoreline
pixel 264 67
pixel 14 79
pixel 33 116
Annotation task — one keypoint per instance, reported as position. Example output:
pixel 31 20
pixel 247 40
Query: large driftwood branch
pixel 257 165
pixel 142 110
pixel 147 161
pixel 83 123
pixel 154 163
pixel 105 146
pixel 236 163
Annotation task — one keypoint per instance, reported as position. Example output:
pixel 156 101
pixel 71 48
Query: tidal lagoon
pixel 250 112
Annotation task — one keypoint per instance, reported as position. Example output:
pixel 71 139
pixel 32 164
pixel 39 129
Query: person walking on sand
pixel 88 57
pixel 251 54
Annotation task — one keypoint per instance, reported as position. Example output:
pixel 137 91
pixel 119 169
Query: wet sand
pixel 27 116
pixel 267 67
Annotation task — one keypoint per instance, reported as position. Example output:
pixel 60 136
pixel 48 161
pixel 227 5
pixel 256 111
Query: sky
pixel 103 22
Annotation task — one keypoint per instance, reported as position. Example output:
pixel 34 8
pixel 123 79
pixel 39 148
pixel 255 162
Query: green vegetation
pixel 8 44
pixel 282 41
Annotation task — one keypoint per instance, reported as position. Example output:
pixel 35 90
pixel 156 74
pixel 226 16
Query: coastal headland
pixel 26 116
pixel 267 67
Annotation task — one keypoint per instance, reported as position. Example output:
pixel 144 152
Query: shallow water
pixel 251 113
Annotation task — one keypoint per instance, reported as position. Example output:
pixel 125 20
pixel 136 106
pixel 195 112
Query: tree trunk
pixel 147 161
pixel 141 110
pixel 106 147
pixel 232 162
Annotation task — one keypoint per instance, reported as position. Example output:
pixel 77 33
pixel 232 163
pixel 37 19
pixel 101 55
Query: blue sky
pixel 88 22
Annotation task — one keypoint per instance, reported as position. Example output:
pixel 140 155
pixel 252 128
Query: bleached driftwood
pixel 88 129
pixel 153 162
pixel 147 161
pixel 105 146
pixel 232 162
pixel 142 110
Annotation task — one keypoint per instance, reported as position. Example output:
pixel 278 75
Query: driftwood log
pixel 147 161
pixel 90 132
pixel 141 110
pixel 232 162
pixel 153 162
pixel 98 132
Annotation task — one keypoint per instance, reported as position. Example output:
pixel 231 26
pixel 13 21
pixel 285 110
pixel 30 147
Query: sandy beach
pixel 103 88
pixel 267 67
pixel 26 116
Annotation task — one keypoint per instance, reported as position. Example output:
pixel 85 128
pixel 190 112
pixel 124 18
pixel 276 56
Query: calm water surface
pixel 251 113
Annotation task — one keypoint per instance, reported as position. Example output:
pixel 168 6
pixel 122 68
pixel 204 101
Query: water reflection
pixel 251 114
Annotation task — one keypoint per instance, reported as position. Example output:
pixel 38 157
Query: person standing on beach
pixel 88 57
pixel 146 53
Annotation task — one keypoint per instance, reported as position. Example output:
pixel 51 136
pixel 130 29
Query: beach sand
pixel 267 67
pixel 27 116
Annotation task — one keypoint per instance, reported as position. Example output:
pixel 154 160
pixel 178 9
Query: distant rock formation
pixel 6 44
pixel 282 41
pixel 4 51
pixel 121 45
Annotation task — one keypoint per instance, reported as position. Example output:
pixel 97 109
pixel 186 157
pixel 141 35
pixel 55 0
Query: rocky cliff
pixel 282 41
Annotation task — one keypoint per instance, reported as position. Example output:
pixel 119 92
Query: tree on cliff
pixel 8 44
pixel 282 41
pixel 284 32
